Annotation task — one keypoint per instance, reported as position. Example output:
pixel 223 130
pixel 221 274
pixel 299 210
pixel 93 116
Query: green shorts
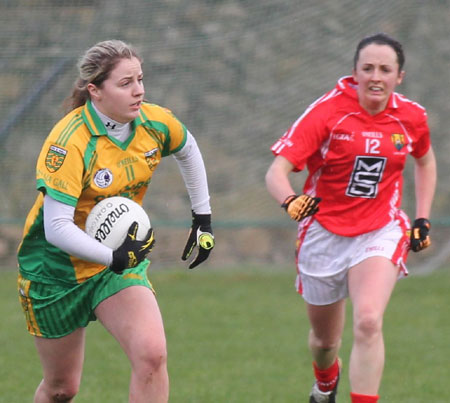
pixel 55 310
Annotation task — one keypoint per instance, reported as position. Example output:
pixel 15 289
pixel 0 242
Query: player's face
pixel 121 94
pixel 377 74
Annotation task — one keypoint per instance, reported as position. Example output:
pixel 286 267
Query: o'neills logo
pixel 112 217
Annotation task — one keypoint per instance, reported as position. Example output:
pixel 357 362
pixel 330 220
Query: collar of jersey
pixel 95 124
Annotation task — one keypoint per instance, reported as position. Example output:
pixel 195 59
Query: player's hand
pixel 132 252
pixel 300 207
pixel 200 236
pixel 420 238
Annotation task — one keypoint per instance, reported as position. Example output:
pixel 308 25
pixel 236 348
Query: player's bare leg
pixel 371 283
pixel 62 364
pixel 327 324
pixel 132 316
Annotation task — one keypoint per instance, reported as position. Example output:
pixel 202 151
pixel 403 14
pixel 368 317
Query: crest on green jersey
pixel 152 158
pixel 55 158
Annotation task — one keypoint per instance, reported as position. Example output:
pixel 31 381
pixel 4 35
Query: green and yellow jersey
pixel 80 165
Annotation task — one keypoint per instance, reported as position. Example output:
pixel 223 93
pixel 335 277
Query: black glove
pixel 132 252
pixel 420 238
pixel 300 207
pixel 201 235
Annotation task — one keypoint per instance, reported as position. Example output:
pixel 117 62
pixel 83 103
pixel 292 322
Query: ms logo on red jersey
pixel 366 175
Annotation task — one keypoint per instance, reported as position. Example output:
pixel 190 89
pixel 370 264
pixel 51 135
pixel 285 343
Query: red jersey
pixel 355 161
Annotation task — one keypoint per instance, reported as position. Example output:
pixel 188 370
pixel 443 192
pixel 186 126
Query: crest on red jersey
pixel 398 140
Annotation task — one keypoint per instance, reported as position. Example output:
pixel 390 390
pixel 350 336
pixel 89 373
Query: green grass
pixel 239 335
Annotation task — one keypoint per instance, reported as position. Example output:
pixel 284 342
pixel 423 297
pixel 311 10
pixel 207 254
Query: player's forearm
pixel 61 231
pixel 192 168
pixel 277 179
pixel 425 183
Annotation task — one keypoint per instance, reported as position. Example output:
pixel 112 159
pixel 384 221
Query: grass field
pixel 240 336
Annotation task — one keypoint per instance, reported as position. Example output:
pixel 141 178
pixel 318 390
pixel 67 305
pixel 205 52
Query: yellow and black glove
pixel 132 252
pixel 200 235
pixel 420 238
pixel 300 207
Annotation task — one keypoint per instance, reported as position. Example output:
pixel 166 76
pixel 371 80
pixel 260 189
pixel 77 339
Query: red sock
pixel 326 378
pixel 357 398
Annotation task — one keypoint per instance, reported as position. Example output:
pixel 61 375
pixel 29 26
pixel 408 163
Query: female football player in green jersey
pixel 109 144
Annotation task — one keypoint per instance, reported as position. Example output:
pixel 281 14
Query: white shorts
pixel 324 258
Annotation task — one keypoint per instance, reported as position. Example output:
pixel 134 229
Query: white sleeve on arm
pixel 190 163
pixel 61 231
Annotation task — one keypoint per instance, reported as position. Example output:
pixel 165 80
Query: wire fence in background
pixel 237 73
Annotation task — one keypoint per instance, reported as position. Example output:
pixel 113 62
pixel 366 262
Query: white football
pixel 110 219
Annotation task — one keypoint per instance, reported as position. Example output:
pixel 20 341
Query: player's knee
pixel 63 393
pixel 63 397
pixel 367 327
pixel 158 359
pixel 152 361
pixel 62 390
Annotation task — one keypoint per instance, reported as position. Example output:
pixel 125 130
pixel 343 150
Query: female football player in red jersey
pixel 353 238
pixel 109 144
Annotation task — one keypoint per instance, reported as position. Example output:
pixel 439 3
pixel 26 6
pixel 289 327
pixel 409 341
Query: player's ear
pixel 400 77
pixel 354 75
pixel 94 91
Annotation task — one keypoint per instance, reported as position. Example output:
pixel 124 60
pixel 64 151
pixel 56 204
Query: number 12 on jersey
pixel 372 146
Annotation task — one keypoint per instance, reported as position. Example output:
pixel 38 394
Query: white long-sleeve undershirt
pixel 192 168
pixel 61 231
